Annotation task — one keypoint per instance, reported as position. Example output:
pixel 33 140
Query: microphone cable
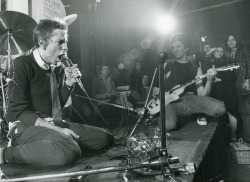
pixel 68 63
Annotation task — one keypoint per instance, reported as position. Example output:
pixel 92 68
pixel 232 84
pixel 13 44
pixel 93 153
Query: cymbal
pixel 20 28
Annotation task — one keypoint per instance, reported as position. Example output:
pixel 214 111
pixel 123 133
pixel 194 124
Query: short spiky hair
pixel 45 28
pixel 181 37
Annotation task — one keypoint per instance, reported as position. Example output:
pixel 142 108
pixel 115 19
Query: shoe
pixel 202 121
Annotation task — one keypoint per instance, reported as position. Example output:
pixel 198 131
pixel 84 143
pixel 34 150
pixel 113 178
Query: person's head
pixel 50 37
pixel 105 70
pixel 232 41
pixel 219 52
pixel 145 80
pixel 206 48
pixel 138 66
pixel 180 45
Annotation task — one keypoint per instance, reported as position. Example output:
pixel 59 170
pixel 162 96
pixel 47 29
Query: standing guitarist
pixel 193 100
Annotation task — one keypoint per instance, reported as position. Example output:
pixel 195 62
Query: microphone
pixel 68 63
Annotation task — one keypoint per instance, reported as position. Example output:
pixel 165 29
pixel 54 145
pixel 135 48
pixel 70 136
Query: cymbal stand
pixel 3 95
pixel 4 99
pixel 8 51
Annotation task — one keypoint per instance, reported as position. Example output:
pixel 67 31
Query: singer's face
pixel 57 45
pixel 179 49
pixel 231 42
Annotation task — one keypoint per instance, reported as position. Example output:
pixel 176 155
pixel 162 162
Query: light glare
pixel 165 24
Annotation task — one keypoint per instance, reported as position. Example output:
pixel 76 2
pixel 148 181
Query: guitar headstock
pixel 230 67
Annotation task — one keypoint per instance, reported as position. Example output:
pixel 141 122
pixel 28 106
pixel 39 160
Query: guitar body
pixel 154 105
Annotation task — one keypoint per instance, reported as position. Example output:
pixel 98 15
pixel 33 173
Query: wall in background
pixel 17 5
pixel 47 9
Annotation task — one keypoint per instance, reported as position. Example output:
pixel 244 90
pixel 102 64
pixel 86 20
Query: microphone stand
pixel 110 104
pixel 144 111
pixel 162 152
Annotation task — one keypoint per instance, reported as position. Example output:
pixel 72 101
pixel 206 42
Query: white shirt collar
pixel 40 61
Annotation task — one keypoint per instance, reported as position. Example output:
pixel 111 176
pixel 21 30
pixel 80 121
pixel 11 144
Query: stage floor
pixel 190 144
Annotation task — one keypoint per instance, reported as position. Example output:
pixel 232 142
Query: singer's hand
pixel 71 74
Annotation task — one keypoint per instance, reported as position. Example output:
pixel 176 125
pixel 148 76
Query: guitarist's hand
pixel 216 79
pixel 246 85
pixel 179 90
pixel 211 73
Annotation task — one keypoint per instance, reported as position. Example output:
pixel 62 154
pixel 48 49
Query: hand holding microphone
pixel 72 73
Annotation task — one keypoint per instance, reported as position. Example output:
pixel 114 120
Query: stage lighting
pixel 165 24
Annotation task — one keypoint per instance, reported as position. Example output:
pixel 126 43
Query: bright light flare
pixel 165 24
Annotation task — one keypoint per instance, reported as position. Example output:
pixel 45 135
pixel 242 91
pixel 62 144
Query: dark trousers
pixel 43 146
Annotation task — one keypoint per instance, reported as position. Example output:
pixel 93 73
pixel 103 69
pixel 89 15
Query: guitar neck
pixel 223 68
pixel 189 83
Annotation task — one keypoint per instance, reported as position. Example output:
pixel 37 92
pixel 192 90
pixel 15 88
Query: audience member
pixel 224 89
pixel 139 94
pixel 240 54
pixel 205 57
pixel 136 75
pixel 103 87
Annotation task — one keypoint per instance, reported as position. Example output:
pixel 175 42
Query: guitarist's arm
pixel 205 90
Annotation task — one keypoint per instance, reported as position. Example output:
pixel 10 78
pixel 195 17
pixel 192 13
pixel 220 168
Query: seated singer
pixel 193 100
pixel 39 90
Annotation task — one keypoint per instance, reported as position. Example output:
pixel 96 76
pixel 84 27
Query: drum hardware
pixel 15 38
pixel 3 96
pixel 16 32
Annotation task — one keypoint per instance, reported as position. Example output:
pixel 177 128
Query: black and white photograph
pixel 124 90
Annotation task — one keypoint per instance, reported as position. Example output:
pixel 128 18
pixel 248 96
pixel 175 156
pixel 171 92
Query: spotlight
pixel 165 24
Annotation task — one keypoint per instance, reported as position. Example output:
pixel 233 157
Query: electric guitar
pixel 173 94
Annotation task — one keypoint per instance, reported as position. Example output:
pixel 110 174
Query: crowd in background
pixel 231 87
